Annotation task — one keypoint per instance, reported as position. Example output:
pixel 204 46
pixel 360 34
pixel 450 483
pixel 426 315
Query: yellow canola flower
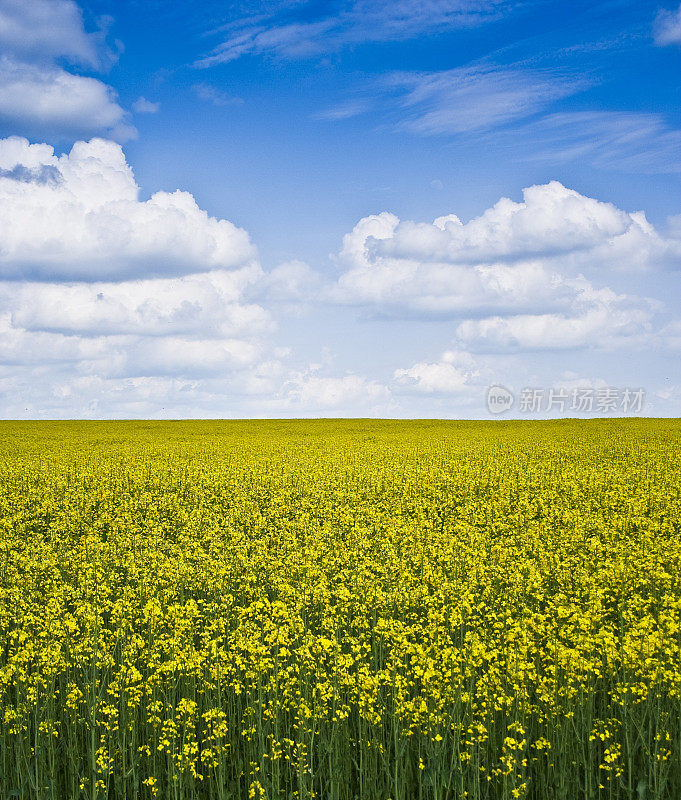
pixel 340 609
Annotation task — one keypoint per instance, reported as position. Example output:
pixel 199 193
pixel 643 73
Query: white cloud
pixel 66 395
pixel 210 94
pixel 454 373
pixel 197 305
pixel 21 347
pixel 491 106
pixel 37 94
pixel 551 222
pixel 668 396
pixel 46 29
pixel 667 27
pixel 614 140
pixel 372 228
pixel 86 222
pixel 670 335
pixel 38 97
pixel 514 276
pixel 513 257
pixel 113 306
pixel 174 355
pixel 290 282
pixel 347 110
pixel 599 319
pixel 359 21
pixel 125 355
pixel 570 381
pixel 478 97
pixel 81 310
pixel 315 391
pixel 144 106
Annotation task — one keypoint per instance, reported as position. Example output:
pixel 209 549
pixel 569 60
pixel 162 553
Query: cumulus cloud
pixel 291 282
pixel 174 355
pixel 109 295
pixel 514 277
pixel 59 394
pixel 454 373
pixel 138 339
pixel 35 97
pixel 37 94
pixel 88 222
pixel 551 223
pixel 44 29
pixel 204 304
pixel 115 306
pixel 667 29
pixel 311 391
pixel 598 319
pixel 19 347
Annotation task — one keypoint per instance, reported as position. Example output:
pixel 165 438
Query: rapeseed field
pixel 340 610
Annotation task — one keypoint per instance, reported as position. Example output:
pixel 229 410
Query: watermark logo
pixel 499 399
pixel 582 400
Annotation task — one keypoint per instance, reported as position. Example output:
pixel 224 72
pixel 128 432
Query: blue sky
pixel 300 272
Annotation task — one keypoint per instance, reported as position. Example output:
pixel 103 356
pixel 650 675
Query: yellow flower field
pixel 340 609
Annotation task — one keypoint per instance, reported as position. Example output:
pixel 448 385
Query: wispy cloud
pixel 211 94
pixel 144 106
pixel 478 97
pixel 517 104
pixel 289 35
pixel 667 28
pixel 352 108
pixel 619 140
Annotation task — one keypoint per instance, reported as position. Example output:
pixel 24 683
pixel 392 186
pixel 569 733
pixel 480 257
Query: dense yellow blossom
pixel 340 610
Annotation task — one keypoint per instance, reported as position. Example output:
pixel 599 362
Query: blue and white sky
pixel 291 209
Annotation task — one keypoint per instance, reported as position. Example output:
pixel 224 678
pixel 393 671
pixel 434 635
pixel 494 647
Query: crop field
pixel 340 610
